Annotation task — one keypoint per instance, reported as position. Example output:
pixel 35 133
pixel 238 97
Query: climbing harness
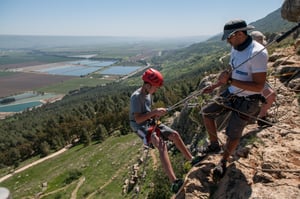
pixel 153 129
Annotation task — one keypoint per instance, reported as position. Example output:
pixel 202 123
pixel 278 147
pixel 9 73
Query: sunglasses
pixel 231 35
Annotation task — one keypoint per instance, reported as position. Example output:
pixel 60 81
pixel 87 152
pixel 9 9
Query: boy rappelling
pixel 143 121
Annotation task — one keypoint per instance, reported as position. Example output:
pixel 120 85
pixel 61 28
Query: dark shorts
pixel 237 120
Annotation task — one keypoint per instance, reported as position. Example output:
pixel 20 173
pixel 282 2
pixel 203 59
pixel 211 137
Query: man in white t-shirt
pixel 246 79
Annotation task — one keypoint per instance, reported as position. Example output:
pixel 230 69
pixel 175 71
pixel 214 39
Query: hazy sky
pixel 151 18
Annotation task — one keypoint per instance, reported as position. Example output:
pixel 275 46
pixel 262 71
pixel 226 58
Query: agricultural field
pixel 36 64
pixel 17 76
pixel 64 87
pixel 50 71
pixel 14 83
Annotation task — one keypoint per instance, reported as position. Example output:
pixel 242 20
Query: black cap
pixel 234 26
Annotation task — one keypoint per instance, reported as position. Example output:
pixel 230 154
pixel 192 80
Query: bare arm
pixel 155 113
pixel 256 85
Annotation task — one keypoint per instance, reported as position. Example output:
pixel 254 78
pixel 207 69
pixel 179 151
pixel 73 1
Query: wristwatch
pixel 229 81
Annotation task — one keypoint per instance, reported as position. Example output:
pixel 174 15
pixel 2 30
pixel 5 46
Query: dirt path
pixel 42 195
pixel 35 163
pixel 74 192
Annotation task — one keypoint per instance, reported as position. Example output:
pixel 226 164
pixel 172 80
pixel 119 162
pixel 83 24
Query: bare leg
pixel 176 139
pixel 164 156
pixel 211 128
pixel 230 147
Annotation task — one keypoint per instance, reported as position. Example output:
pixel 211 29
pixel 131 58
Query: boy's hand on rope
pixel 160 112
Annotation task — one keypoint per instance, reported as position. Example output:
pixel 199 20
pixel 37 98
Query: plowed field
pixel 20 82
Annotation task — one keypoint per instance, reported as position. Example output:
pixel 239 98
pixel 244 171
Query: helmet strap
pixel 147 86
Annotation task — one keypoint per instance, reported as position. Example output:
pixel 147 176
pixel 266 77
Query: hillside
pixel 267 161
pixel 100 162
pixel 266 165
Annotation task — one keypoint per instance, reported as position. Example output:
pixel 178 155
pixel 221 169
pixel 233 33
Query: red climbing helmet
pixel 153 77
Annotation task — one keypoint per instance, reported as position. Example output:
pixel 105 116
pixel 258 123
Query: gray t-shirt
pixel 139 103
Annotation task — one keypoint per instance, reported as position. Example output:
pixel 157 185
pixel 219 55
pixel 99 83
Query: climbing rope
pixel 251 116
pixel 143 171
pixel 185 100
pixel 148 148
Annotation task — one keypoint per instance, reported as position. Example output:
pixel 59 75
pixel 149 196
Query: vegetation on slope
pixel 95 114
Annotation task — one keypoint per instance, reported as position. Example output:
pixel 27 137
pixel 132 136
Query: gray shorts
pixel 162 131
pixel 236 121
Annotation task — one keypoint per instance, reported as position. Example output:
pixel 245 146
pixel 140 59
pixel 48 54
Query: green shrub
pixel 72 176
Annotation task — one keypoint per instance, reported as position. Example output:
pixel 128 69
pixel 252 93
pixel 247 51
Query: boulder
pixel 290 10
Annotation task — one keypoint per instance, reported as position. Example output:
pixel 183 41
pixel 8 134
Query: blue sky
pixel 150 18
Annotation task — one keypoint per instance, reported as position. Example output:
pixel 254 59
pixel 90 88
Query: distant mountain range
pixel 33 42
pixel 273 22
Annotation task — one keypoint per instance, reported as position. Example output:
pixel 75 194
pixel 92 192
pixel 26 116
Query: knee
pixel 233 134
pixel 174 136
pixel 162 148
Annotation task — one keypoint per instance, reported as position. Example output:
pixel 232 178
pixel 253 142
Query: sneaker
pixel 211 148
pixel 219 171
pixel 176 185
pixel 197 159
pixel 263 123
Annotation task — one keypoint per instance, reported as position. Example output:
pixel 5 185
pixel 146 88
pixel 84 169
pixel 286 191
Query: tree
pixel 85 138
pixel 100 132
pixel 44 148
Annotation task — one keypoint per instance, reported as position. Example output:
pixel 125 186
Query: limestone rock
pixel 290 10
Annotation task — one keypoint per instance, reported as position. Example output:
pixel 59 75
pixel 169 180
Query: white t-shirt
pixel 256 64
